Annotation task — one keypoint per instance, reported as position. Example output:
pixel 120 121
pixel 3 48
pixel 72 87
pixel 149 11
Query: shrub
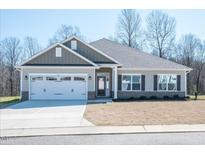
pixel 131 98
pixel 166 97
pixel 187 97
pixel 142 97
pixel 153 97
pixel 176 96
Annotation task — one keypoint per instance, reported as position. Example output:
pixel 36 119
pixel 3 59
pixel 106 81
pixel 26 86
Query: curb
pixel 96 130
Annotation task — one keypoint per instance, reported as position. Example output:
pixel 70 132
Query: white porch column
pixel 21 82
pixel 185 84
pixel 115 80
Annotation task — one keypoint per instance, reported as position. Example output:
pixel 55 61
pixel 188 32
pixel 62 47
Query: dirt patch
pixel 147 113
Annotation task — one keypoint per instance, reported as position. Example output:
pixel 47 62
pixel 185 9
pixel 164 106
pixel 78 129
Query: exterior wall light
pixel 89 77
pixel 26 77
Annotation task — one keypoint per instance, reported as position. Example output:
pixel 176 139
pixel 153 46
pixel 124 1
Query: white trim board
pixel 54 45
pixel 90 46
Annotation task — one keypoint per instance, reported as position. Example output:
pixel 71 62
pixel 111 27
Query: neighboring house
pixel 76 70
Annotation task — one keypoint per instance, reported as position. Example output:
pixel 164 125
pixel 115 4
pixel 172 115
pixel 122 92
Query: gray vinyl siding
pixel 89 53
pixel 67 58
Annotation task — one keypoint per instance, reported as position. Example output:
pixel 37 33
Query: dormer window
pixel 58 52
pixel 74 45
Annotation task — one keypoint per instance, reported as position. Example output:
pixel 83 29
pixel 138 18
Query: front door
pixel 101 86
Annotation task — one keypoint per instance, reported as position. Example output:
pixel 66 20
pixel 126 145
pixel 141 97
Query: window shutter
pixel 155 82
pixel 143 82
pixel 119 82
pixel 179 82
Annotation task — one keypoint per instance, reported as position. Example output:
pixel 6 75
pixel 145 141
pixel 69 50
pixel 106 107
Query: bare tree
pixel 129 28
pixel 2 68
pixel 31 46
pixel 160 32
pixel 199 64
pixel 12 51
pixel 64 32
pixel 187 48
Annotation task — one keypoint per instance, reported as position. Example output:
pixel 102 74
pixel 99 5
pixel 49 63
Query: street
pixel 122 139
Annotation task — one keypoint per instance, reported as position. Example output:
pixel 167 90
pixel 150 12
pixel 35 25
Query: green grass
pixel 9 99
pixel 199 97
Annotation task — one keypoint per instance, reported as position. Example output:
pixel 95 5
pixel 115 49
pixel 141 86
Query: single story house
pixel 76 70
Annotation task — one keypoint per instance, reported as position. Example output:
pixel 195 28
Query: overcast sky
pixel 93 24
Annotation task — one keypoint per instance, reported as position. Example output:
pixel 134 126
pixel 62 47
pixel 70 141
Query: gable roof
pixel 92 47
pixel 133 58
pixel 53 46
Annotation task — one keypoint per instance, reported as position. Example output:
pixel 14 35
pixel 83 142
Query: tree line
pixel 158 37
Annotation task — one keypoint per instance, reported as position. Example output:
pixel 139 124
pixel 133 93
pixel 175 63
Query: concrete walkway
pixel 102 130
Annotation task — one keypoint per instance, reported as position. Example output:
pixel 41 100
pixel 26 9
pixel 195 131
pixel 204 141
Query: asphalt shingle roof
pixel 133 58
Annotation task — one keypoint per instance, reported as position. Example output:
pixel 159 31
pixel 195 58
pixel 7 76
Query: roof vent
pixel 58 52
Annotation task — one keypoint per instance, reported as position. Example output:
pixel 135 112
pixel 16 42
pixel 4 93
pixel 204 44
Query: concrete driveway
pixel 43 114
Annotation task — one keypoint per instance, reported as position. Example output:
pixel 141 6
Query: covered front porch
pixel 106 82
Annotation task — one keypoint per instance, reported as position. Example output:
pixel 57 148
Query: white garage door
pixel 58 87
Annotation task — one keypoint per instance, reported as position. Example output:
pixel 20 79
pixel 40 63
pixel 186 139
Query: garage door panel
pixel 37 87
pixel 58 87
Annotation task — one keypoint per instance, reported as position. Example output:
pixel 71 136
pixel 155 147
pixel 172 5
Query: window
pixel 51 78
pixel 126 82
pixel 172 82
pixel 79 79
pixel 74 44
pixel 131 82
pixel 58 52
pixel 162 82
pixel 66 78
pixel 101 84
pixel 136 82
pixel 167 82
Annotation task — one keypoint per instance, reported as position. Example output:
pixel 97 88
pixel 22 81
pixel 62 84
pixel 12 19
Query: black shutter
pixel 179 82
pixel 155 82
pixel 119 82
pixel 143 82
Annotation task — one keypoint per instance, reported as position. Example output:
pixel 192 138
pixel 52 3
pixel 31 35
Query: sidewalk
pixel 92 130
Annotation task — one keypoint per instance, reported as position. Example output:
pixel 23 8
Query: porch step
pixel 100 100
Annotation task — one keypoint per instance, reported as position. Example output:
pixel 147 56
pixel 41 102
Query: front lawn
pixel 147 113
pixel 9 99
